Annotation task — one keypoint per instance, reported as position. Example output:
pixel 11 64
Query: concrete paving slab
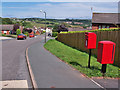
pixel 15 84
pixel 3 38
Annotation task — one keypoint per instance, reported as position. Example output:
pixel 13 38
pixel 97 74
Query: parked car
pixel 21 36
pixel 31 35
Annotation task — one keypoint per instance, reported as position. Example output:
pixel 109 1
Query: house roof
pixel 109 18
pixel 76 29
pixel 6 27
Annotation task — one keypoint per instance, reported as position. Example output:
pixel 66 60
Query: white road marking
pixel 97 84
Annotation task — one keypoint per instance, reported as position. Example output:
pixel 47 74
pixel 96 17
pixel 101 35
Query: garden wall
pixel 77 40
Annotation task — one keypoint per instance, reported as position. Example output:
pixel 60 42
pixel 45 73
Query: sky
pixel 60 0
pixel 56 10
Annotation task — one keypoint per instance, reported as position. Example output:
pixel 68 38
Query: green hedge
pixel 54 34
pixel 105 29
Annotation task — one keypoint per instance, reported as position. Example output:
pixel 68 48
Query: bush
pixel 26 33
pixel 54 34
pixel 56 38
pixel 3 34
pixel 42 32
pixel 18 31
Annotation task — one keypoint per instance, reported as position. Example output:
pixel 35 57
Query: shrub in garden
pixel 54 34
pixel 56 38
pixel 42 32
pixel 18 32
pixel 3 34
pixel 26 33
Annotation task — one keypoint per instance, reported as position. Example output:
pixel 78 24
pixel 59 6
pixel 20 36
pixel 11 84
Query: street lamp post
pixel 91 17
pixel 45 23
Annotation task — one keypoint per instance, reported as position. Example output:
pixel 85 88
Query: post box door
pixel 106 52
pixel 90 40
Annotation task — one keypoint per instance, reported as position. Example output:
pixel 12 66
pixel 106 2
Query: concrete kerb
pixel 35 87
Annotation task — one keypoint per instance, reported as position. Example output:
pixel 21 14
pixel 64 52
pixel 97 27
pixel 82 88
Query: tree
pixel 62 28
pixel 65 24
pixel 6 21
pixel 55 28
pixel 18 32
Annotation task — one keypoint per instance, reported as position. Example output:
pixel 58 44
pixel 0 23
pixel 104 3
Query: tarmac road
pixel 13 59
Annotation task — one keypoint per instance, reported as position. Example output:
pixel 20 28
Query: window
pixel 103 26
pixel 99 26
pixel 5 31
pixel 108 27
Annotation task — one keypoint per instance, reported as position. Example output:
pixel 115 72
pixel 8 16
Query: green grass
pixel 39 24
pixel 12 36
pixel 0 34
pixel 79 60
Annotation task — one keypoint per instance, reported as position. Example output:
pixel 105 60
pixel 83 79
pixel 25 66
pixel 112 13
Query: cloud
pixel 60 0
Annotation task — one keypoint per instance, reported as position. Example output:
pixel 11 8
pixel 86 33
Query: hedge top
pixel 105 29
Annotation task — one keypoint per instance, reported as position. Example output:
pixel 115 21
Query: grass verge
pixel 12 36
pixel 79 60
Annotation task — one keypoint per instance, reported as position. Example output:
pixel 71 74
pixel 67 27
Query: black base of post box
pixel 89 58
pixel 103 70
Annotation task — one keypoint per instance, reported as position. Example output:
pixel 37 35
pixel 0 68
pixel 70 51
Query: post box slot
pixel 86 42
pixel 112 52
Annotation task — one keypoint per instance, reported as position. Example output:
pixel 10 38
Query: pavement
pixel 13 60
pixel 51 72
pixel 15 84
pixel 108 83
pixel 3 38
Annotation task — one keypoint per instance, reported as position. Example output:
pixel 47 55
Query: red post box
pixel 106 52
pixel 90 40
pixel 90 43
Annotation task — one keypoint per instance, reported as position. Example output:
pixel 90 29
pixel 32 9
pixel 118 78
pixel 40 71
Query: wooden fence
pixel 77 40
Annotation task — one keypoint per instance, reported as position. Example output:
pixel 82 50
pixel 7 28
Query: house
pixel 76 29
pixel 105 20
pixel 36 30
pixel 7 29
pixel 49 30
